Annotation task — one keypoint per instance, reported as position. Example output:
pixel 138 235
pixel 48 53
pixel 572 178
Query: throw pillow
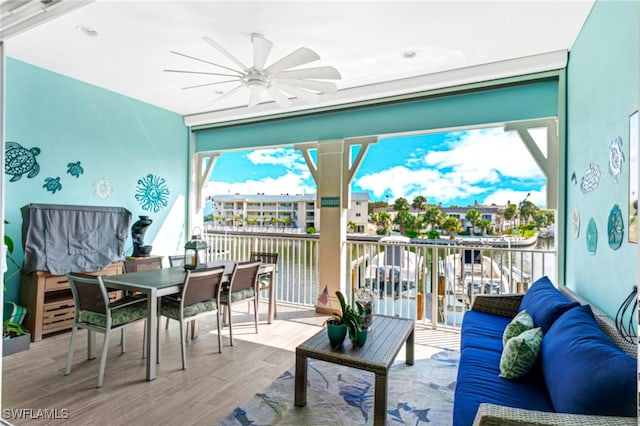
pixel 585 371
pixel 519 324
pixel 520 353
pixel 545 303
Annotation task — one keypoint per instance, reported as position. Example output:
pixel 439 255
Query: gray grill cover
pixel 68 238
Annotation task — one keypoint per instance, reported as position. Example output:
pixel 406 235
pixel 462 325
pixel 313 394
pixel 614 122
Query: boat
pixel 393 264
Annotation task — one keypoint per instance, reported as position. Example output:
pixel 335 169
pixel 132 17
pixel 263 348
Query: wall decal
pixel 574 179
pixel 19 160
pixel 592 236
pixel 591 179
pixel 616 158
pixel 102 188
pixel 615 227
pixel 632 223
pixel 75 169
pixel 575 223
pixel 152 193
pixel 52 184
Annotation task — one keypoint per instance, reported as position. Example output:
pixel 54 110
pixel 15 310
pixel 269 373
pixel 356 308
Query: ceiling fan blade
pixel 322 73
pixel 210 84
pixel 279 97
pixel 205 61
pixel 204 73
pixel 320 86
pixel 254 98
pixel 229 93
pixel 261 49
pixel 300 56
pixel 299 93
pixel 226 53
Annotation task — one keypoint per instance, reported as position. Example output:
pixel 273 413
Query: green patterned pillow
pixel 520 353
pixel 520 323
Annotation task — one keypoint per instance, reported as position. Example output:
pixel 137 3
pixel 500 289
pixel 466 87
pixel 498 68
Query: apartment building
pixel 298 211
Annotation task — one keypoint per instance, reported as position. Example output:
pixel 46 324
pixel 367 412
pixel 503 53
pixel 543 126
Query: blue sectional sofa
pixel 584 372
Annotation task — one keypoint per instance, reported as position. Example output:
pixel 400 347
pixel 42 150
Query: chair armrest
pixel 128 301
pixel 498 304
pixel 498 415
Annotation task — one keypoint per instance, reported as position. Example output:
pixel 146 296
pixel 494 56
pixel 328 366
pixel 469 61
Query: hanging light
pixel 195 251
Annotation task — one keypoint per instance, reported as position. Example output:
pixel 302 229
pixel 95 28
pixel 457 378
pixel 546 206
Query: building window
pixel 358 215
pixel 358 203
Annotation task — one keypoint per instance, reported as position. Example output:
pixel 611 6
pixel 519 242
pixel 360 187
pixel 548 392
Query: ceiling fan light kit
pixel 277 80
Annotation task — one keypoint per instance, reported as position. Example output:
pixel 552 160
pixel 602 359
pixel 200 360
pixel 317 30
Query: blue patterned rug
pixel 337 395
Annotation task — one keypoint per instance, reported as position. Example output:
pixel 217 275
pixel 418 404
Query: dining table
pixel 165 281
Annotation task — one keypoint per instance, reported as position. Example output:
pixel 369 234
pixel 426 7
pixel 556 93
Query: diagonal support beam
pixel 203 173
pixel 549 163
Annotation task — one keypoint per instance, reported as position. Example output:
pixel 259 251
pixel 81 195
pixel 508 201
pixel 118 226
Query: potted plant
pixel 15 337
pixel 352 318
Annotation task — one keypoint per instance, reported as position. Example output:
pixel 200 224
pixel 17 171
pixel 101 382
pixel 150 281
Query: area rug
pixel 338 395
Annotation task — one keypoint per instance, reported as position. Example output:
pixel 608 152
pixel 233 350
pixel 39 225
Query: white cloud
pixel 473 162
pixel 400 181
pixel 480 156
pixel 286 157
pixel 290 183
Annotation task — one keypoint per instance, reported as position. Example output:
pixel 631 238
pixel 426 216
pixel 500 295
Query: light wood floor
pixel 211 387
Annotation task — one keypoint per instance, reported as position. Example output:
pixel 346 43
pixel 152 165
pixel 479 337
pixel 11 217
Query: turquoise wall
pixel 514 102
pixel 112 136
pixel 602 92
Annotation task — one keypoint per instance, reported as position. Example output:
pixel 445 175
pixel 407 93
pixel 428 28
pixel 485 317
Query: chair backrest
pixel 89 292
pixel 145 264
pixel 264 257
pixel 203 285
pixel 177 260
pixel 245 276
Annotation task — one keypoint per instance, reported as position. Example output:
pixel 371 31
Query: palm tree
pixel 526 210
pixel 473 216
pixel 286 221
pixel 405 220
pixel 433 216
pixel 401 204
pixel 510 213
pixel 451 225
pixel 352 226
pixel 382 220
pixel 419 203
pixel 484 225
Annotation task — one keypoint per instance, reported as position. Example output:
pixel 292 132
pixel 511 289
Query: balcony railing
pixel 431 283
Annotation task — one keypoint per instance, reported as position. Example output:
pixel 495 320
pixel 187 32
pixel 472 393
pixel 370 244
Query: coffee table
pixel 386 337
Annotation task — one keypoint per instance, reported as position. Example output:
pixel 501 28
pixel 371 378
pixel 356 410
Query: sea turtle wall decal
pixel 75 169
pixel 52 184
pixel 19 160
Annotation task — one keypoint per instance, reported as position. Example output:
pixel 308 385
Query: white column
pixel 333 220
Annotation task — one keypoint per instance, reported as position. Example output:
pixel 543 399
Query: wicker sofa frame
pixel 494 415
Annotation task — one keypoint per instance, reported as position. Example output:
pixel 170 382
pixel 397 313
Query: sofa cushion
pixel 520 354
pixel 482 330
pixel 545 303
pixel 478 382
pixel 585 371
pixel 518 325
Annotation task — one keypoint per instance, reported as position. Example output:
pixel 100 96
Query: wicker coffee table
pixel 386 337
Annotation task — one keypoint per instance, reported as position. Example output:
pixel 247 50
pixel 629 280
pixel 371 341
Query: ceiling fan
pixel 277 80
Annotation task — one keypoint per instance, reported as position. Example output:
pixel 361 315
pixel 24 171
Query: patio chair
pixel 199 298
pixel 264 280
pixel 243 286
pixel 95 312
pixel 144 264
pixel 176 260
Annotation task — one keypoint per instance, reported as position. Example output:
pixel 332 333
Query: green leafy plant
pixel 351 316
pixel 12 329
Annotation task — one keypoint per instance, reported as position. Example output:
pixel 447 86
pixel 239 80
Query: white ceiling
pixel 364 40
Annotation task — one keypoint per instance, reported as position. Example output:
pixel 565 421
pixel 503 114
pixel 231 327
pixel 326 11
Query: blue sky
pixel 454 168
